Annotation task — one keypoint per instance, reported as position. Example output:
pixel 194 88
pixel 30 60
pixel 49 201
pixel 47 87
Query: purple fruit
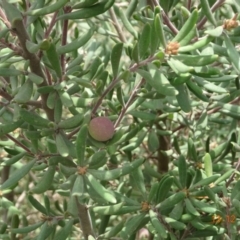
pixel 101 129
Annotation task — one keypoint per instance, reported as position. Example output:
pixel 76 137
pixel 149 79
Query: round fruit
pixel 101 129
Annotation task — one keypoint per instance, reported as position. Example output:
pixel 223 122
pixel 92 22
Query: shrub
pixel 166 73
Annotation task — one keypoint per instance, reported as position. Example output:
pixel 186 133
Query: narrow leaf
pixel 115 58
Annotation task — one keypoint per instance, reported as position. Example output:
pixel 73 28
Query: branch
pixel 20 144
pixel 117 25
pixel 114 82
pixel 233 174
pixel 189 4
pixel 84 219
pixel 9 98
pixel 14 48
pixel 3 17
pixel 166 18
pixel 51 25
pixel 34 62
pixel 5 95
pixel 64 38
pixel 215 6
pixel 129 102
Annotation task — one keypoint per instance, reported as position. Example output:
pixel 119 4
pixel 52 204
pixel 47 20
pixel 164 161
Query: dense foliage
pixel 166 73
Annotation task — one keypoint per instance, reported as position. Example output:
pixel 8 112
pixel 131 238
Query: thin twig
pixel 5 95
pixel 64 39
pixel 14 48
pixel 166 18
pixel 233 174
pixel 104 94
pixel 117 25
pixel 135 66
pixel 9 98
pixel 114 82
pixel 215 6
pixel 73 133
pixel 214 110
pixel 19 144
pixel 48 76
pixel 129 102
pixel 4 19
pixel 51 25
pixel 189 4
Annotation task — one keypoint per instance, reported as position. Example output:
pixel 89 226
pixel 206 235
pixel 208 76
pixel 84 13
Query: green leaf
pixel 92 11
pixel 175 224
pixel 158 81
pixel 18 175
pixel 36 204
pixel 7 72
pixel 47 9
pixel 46 181
pixel 108 210
pixel 84 4
pixel 108 175
pixel 115 58
pixel 135 52
pixel 171 201
pixel 53 58
pixel 153 142
pixel 27 229
pixel 197 45
pixel 208 164
pixel 232 52
pixel 183 98
pixel 224 176
pixel 138 180
pixel 24 93
pixel 10 127
pixel 182 169
pixel 207 11
pixel 45 231
pixel 35 78
pixel 33 118
pixel 61 144
pixel 196 90
pixel 104 193
pixel 144 41
pixel 205 207
pixel 76 44
pixel 126 23
pixel 98 159
pixel 205 181
pixel 178 67
pixel 81 144
pixel 143 115
pixel 65 231
pixel 113 231
pixel 158 33
pixel 196 60
pixel 216 32
pixel 159 227
pixel 66 99
pixel 210 86
pixel 202 122
pixel 132 225
pixel 78 188
pixel 189 24
pixel 177 211
pixel 164 187
pixel 13 159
